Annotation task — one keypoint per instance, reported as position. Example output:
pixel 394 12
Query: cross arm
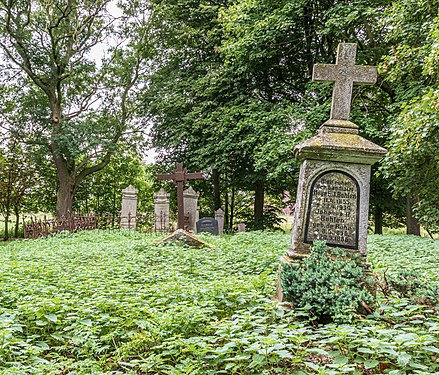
pixel 165 176
pixel 194 176
pixel 325 72
pixel 366 75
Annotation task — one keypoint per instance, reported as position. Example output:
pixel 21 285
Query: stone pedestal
pixel 161 211
pixel 190 204
pixel 129 208
pixel 219 216
pixel 332 202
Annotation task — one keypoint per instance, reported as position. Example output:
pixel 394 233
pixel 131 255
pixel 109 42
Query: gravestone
pixel 208 224
pixel 190 204
pixel 161 211
pixel 332 202
pixel 129 208
pixel 219 216
pixel 241 227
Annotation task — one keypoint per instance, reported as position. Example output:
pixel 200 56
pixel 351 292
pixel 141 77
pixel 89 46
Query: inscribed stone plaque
pixel 333 210
pixel 207 224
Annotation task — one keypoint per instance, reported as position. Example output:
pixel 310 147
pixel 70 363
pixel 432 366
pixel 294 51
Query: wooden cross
pixel 180 176
pixel 344 73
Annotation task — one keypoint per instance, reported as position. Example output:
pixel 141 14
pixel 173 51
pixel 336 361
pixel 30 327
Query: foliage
pixel 331 284
pixel 58 98
pixel 102 192
pixel 411 164
pixel 113 303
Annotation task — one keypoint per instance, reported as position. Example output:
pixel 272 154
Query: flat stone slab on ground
pixel 181 236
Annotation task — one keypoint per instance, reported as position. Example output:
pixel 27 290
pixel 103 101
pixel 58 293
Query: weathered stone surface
pixel 186 238
pixel 344 73
pixel 333 210
pixel 190 204
pixel 219 216
pixel 208 225
pixel 241 227
pixel 339 146
pixel 333 192
pixel 161 211
pixel 129 208
pixel 313 184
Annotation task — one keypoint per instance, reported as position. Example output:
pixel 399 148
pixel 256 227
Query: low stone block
pixel 186 238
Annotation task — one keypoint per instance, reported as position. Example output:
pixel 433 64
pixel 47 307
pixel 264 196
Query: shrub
pixel 331 284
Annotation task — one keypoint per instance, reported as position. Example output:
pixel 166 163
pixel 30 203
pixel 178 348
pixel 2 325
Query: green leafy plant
pixel 331 283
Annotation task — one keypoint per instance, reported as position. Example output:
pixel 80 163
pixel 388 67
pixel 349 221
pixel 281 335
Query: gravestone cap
pixel 208 224
pixel 130 190
pixel 191 193
pixel 343 147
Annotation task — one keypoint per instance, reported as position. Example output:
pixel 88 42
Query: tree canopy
pixel 223 86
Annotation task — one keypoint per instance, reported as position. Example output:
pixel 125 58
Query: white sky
pixel 98 53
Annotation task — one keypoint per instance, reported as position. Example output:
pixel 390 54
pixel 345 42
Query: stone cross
pixel 180 176
pixel 344 73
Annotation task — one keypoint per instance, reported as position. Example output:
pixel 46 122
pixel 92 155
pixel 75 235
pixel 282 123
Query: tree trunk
pixel 378 218
pixel 413 226
pixel 259 204
pixel 64 196
pixel 226 210
pixel 8 205
pixel 17 221
pixel 216 189
pixel 6 234
pixel 232 207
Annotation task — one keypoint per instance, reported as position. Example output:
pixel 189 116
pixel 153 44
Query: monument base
pixel 279 296
pixel 185 238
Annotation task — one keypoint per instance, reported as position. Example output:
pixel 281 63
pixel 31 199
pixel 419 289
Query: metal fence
pixel 34 227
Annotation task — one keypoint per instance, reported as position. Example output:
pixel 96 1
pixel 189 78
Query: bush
pixel 330 284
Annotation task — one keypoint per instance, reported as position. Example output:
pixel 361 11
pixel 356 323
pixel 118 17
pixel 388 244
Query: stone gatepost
pixel 219 216
pixel 190 204
pixel 332 201
pixel 161 211
pixel 129 208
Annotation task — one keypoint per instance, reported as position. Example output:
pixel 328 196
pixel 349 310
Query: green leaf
pixel 51 317
pixel 370 364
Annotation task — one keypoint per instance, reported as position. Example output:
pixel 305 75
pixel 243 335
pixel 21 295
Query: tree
pixel 412 163
pixel 78 111
pixel 17 177
pixel 102 191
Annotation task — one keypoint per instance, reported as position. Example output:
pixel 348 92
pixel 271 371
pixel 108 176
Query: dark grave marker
pixel 208 224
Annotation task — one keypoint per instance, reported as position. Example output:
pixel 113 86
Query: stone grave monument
pixel 208 225
pixel 190 204
pixel 219 216
pixel 332 201
pixel 129 208
pixel 161 211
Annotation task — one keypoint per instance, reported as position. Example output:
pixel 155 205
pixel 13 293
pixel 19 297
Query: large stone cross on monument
pixel 344 73
pixel 180 176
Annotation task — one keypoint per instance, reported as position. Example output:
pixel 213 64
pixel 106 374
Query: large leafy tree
pixel 79 111
pixel 411 67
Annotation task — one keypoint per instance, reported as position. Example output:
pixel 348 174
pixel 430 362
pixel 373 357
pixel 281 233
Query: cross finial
pixel 344 73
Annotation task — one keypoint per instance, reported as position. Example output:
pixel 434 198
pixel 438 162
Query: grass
pixel 113 303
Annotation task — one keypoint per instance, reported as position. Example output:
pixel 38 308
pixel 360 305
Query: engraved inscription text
pixel 333 210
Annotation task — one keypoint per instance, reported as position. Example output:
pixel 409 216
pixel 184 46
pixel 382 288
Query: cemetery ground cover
pixel 103 302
